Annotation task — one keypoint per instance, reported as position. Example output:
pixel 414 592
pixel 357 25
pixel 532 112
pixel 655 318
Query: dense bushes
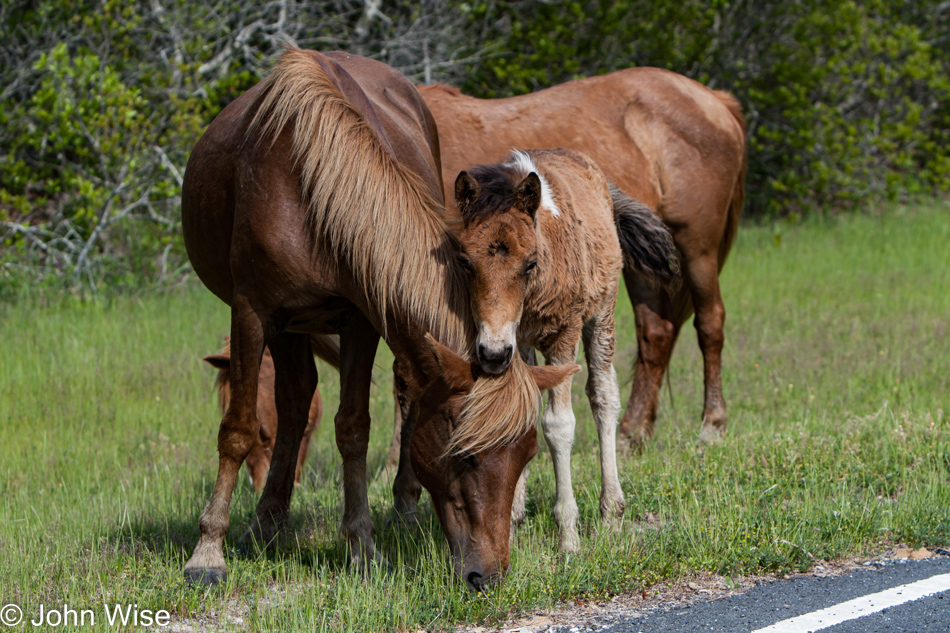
pixel 847 102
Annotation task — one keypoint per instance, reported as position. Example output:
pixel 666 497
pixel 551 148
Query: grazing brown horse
pixel 541 246
pixel 313 205
pixel 258 460
pixel 666 141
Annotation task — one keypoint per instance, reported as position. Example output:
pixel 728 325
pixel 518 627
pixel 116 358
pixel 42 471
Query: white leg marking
pixel 604 396
pixel 558 424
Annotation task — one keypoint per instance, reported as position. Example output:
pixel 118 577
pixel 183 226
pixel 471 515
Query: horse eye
pixel 470 460
pixel 466 263
pixel 530 266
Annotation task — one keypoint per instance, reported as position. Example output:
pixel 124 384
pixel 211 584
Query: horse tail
pixel 222 383
pixel 738 192
pixel 646 243
pixel 327 347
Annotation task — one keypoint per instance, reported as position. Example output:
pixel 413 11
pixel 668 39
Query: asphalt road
pixel 768 604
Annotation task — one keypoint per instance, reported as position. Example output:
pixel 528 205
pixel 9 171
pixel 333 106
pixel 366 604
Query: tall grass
pixel 837 375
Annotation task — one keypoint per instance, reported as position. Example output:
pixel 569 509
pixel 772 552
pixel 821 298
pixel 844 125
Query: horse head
pixel 474 436
pixel 499 251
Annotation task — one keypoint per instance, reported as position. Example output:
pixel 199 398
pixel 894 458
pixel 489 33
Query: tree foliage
pixel 846 101
pixel 102 100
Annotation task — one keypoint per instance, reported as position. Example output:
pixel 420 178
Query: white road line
pixel 860 607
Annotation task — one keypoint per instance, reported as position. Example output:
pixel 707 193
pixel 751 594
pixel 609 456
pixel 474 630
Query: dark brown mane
pixel 496 190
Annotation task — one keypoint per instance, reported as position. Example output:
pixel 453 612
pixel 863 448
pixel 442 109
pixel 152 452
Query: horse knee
pixel 656 341
pixel 237 436
pixel 352 432
pixel 602 390
pixel 709 327
pixel 558 428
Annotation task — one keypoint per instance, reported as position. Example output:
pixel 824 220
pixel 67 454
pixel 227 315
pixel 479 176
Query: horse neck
pixel 557 263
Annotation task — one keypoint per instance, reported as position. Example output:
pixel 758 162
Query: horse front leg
pixel 406 487
pixel 357 352
pixel 518 509
pixel 604 396
pixel 294 386
pixel 236 436
pixel 558 424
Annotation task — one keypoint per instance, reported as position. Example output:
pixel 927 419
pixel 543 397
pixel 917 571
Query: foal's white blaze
pixel 523 162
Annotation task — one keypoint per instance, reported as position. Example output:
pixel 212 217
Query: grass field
pixel 837 379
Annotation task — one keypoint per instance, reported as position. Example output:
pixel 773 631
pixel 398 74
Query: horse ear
pixel 528 194
pixel 218 361
pixel 550 376
pixel 466 191
pixel 454 370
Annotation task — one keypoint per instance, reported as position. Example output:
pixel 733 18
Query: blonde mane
pixel 378 216
pixel 497 411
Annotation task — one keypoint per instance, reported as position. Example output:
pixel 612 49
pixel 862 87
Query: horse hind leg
pixel 236 436
pixel 294 387
pixel 657 329
pixel 313 422
pixel 703 277
pixel 604 396
pixel 558 423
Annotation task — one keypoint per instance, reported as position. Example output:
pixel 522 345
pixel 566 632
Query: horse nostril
pixel 482 352
pixel 509 349
pixel 475 581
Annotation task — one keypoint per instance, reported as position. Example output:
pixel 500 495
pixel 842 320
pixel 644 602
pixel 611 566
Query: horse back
pixel 581 252
pixel 405 125
pixel 654 133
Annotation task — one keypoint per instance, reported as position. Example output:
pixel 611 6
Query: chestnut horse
pixel 313 205
pixel 666 141
pixel 541 246
pixel 258 460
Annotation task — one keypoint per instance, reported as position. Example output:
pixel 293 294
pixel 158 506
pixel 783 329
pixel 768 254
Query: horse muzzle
pixel 495 356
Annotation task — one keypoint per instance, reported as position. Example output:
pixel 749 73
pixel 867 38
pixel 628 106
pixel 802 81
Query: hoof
pixel 399 519
pixel 714 425
pixel 375 563
pixel 259 535
pixel 611 513
pixel 636 439
pixel 206 577
pixel 570 544
pixel 710 435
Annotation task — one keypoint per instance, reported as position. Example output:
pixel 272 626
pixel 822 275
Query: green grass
pixel 837 378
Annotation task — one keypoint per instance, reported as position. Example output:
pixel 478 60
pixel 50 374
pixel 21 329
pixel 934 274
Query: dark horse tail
pixel 327 347
pixel 645 241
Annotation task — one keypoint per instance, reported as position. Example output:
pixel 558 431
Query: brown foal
pixel 543 241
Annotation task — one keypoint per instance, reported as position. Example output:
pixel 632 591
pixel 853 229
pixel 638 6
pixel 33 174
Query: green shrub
pixel 101 101
pixel 846 102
